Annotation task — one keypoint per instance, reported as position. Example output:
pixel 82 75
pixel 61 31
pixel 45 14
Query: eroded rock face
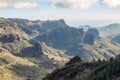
pixel 63 38
pixel 41 49
pixel 9 38
pixel 91 35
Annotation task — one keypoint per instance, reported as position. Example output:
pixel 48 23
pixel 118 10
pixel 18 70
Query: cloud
pixel 111 3
pixel 71 4
pixel 74 4
pixel 84 4
pixel 3 4
pixel 18 4
pixel 27 5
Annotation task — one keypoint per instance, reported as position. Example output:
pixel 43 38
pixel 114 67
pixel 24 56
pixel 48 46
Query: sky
pixel 74 12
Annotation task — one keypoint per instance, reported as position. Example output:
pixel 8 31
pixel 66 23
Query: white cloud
pixel 75 4
pixel 111 3
pixel 3 4
pixel 18 4
pixel 26 5
pixel 72 4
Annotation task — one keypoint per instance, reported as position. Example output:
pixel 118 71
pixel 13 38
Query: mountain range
pixel 30 49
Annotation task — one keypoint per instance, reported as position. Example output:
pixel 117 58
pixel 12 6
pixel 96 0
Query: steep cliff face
pixel 63 38
pixel 52 24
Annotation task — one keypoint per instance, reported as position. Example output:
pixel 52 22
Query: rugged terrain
pixel 87 45
pixel 21 59
pixel 30 49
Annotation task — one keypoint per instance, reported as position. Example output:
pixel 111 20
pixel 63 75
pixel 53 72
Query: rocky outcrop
pixel 41 49
pixel 74 60
pixel 52 24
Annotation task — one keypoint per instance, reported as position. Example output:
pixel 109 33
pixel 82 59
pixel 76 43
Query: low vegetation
pixel 96 70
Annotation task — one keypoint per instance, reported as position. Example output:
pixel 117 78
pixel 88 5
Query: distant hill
pixel 110 30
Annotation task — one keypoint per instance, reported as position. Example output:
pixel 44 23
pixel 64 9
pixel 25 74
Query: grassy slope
pixel 16 68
